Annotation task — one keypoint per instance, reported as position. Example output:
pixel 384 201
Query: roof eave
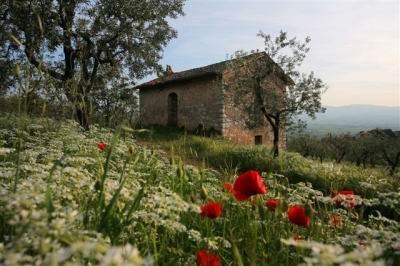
pixel 158 82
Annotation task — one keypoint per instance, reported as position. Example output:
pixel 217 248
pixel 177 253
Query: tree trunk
pixel 80 100
pixel 372 162
pixel 365 161
pixel 340 158
pixel 83 116
pixel 274 121
pixel 392 164
pixel 276 141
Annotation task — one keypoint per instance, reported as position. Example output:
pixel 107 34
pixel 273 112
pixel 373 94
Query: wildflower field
pixel 69 197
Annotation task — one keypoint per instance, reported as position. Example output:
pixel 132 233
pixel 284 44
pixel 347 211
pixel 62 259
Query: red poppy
pixel 248 184
pixel 206 258
pixel 297 215
pixel 211 210
pixel 227 187
pixel 101 145
pixel 297 238
pixel 344 198
pixel 272 204
pixel 335 221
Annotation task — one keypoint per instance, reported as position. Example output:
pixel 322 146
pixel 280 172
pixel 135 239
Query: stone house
pixel 196 98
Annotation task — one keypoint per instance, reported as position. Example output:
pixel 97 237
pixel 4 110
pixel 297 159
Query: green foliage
pixel 116 104
pixel 82 45
pixel 378 147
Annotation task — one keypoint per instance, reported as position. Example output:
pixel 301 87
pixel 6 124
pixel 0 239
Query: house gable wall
pixel 234 125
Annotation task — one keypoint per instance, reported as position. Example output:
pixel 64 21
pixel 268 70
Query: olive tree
pixel 254 84
pixel 339 146
pixel 387 143
pixel 78 43
pixel 116 103
pixel 303 144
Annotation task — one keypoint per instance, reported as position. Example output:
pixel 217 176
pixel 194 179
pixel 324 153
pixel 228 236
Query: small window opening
pixel 173 109
pixel 258 139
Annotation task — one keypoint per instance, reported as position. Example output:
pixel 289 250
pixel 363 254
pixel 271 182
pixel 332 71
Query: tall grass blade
pixel 135 204
pixel 48 194
pixel 106 165
pixel 17 172
pixel 110 207
pixel 235 249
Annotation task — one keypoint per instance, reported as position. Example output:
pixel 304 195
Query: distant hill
pixel 354 118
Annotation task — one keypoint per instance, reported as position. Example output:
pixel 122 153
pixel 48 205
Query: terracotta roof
pixel 214 69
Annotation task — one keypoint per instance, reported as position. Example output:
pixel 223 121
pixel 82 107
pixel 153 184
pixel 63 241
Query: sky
pixel 354 45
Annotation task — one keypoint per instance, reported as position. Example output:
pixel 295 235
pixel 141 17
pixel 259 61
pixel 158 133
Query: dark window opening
pixel 258 140
pixel 173 109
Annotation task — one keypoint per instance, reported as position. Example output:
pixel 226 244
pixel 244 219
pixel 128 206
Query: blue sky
pixel 354 44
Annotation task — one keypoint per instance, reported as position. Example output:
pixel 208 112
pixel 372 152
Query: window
pixel 258 140
pixel 173 109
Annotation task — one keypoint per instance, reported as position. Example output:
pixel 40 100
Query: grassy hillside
pixel 124 197
pixel 222 154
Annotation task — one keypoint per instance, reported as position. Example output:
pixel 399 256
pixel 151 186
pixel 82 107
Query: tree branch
pixel 38 64
pixel 289 110
pixel 387 157
pixel 269 118
pixel 93 75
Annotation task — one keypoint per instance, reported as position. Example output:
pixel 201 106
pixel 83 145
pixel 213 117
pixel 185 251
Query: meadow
pixel 127 197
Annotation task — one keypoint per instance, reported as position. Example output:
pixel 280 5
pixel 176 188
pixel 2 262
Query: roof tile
pixel 214 69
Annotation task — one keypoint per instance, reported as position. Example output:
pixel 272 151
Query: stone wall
pixel 235 126
pixel 199 102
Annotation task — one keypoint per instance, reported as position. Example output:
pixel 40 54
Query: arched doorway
pixel 173 109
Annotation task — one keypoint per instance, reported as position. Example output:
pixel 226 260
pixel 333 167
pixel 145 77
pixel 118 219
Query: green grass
pixel 63 201
pixel 222 154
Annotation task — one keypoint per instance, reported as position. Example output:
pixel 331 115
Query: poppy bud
pixel 132 149
pixel 192 199
pixel 180 172
pixel 335 221
pixel 254 201
pixel 203 192
pixel 309 210
pixel 284 206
